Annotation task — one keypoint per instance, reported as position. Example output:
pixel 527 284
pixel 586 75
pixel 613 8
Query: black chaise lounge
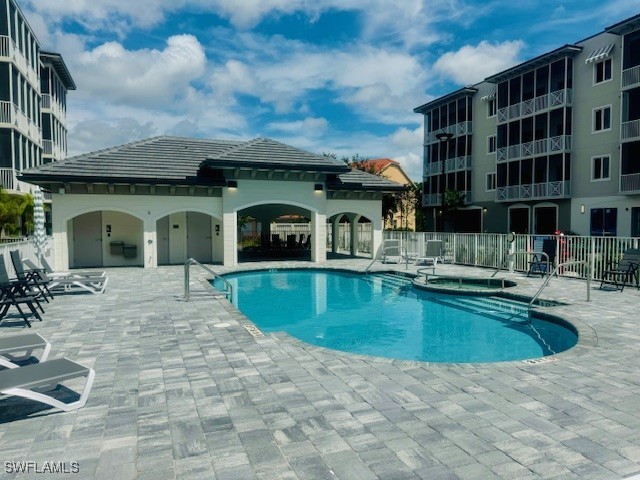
pixel 625 272
pixel 30 381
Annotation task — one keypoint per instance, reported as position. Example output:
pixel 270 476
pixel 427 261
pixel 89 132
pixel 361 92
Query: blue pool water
pixel 385 316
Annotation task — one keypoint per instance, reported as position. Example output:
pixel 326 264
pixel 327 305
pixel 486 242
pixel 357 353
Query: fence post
pixel 592 249
pixel 476 252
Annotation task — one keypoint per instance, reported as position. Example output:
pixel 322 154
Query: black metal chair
pixel 14 293
pixel 31 277
pixel 543 264
pixel 624 272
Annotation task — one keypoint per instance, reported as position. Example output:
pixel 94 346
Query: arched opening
pixel 188 234
pixel 274 231
pixel 350 234
pixel 105 238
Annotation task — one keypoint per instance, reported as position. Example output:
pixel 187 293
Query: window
pixel 491 105
pixel 491 144
pixel 602 119
pixel 602 71
pixel 604 222
pixel 491 181
pixel 600 168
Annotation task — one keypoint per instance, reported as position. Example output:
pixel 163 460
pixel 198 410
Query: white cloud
pixel 141 77
pixel 309 126
pixel 471 64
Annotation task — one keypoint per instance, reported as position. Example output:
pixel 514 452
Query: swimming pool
pixel 386 316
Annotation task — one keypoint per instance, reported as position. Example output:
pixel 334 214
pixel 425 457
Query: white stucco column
pixel 149 244
pixel 230 239
pixel 335 233
pixel 353 225
pixel 318 237
pixel 60 260
pixel 376 234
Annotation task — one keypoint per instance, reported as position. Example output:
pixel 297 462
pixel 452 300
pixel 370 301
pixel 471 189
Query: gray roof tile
pixel 182 160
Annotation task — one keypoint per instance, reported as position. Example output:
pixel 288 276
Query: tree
pixel 16 212
pixel 453 200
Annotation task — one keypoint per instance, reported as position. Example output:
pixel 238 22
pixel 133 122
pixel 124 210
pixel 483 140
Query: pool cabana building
pixel 166 199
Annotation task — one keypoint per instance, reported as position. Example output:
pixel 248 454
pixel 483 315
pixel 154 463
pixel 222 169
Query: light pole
pixel 444 137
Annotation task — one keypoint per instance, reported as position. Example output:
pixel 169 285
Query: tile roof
pixel 378 164
pixel 180 160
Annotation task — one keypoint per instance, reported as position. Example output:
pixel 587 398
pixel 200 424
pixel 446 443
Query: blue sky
pixel 339 76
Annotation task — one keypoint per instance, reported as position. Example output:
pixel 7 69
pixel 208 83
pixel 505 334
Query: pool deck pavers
pixel 184 391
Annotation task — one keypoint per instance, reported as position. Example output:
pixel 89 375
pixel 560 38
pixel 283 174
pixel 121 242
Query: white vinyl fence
pixel 491 249
pixel 27 249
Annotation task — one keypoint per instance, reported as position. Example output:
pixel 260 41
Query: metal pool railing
pixel 228 292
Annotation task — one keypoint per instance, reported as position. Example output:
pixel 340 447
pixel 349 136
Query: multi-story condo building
pixel 33 86
pixel 554 143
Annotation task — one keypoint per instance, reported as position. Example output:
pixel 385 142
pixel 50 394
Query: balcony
pixel 451 165
pixel 9 182
pixel 631 77
pixel 10 51
pixel 53 106
pixel 630 183
pixel 462 128
pixel 555 99
pixel 12 116
pixel 630 130
pixel 537 147
pixel 533 191
pixel 53 150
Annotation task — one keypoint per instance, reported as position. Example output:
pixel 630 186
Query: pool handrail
pixel 546 282
pixel 192 261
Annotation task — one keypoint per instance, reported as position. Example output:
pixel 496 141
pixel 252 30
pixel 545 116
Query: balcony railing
pixel 52 149
pixel 630 130
pixel 631 77
pixel 462 128
pixel 9 49
pixel 534 191
pixel 54 106
pixel 534 105
pixel 537 147
pixel 451 165
pixel 630 182
pixel 10 114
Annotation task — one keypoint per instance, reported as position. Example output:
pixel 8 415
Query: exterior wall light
pixel 232 184
pixel 318 187
pixel 582 208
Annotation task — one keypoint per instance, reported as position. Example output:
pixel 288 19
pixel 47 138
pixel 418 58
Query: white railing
pixel 429 199
pixel 534 190
pixel 491 249
pixel 536 147
pixel 433 168
pixel 630 130
pixel 7 178
pixel 458 163
pixel 49 147
pixel 26 248
pixel 53 105
pixel 631 76
pixel 537 104
pixel 11 114
pixel 344 237
pixel 9 49
pixel 630 182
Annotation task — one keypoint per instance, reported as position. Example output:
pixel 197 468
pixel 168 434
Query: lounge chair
pixel 433 252
pixel 391 251
pixel 23 381
pixel 624 272
pixel 71 281
pixel 543 264
pixel 46 268
pixel 30 277
pixel 25 344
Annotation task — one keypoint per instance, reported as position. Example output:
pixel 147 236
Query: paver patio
pixel 183 390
